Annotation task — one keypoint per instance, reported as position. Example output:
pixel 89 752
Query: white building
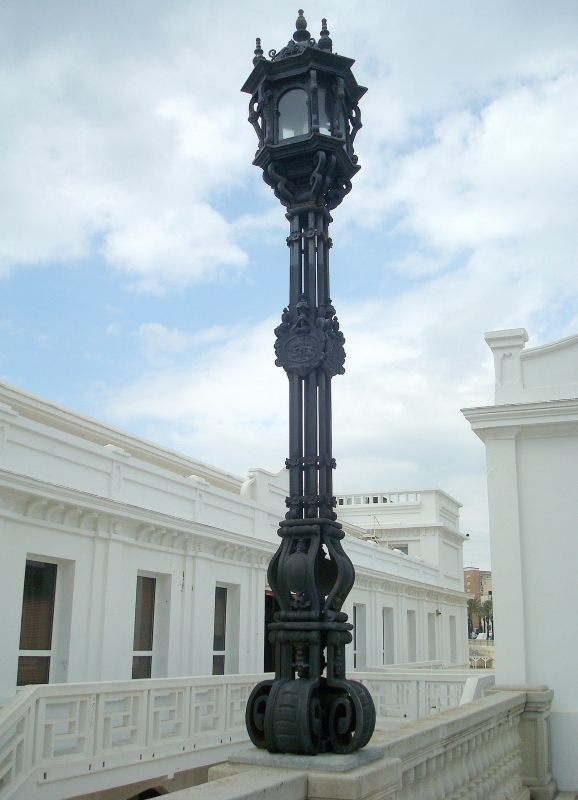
pixel 136 561
pixel 423 524
pixel 531 438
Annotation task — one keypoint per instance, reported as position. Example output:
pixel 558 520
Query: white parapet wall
pixel 531 439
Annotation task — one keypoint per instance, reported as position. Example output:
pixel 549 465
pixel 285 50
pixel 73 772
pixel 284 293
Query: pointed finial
pixel 301 33
pixel 258 51
pixel 324 42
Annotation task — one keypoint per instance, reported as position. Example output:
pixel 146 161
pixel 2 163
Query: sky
pixel 143 263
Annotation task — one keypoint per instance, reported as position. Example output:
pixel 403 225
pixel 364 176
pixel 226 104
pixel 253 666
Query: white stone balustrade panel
pixel 53 733
pixel 56 733
pixel 413 694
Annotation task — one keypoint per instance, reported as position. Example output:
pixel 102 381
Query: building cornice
pixel 64 419
pixel 52 506
pixel 366 578
pixel 517 416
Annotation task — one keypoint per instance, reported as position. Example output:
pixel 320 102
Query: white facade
pixel 422 524
pixel 531 438
pixel 106 506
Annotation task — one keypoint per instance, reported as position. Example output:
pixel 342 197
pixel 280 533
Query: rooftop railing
pixel 379 498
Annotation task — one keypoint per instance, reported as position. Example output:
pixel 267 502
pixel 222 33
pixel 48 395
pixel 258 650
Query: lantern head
pixel 304 108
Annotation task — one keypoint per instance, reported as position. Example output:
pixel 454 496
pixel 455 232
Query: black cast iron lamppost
pixel 304 110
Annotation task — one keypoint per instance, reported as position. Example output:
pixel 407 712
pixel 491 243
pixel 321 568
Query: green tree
pixel 487 614
pixel 474 610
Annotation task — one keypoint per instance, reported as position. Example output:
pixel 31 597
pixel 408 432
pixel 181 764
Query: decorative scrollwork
pixel 291 49
pixel 321 178
pixel 339 189
pixel 255 712
pixel 350 719
pixel 255 118
pixel 284 189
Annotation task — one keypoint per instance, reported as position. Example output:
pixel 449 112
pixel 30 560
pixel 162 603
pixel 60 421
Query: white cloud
pixel 226 400
pixel 122 127
pixel 159 344
pixel 107 142
pixel 174 247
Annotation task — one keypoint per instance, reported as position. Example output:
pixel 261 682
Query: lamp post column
pixel 300 101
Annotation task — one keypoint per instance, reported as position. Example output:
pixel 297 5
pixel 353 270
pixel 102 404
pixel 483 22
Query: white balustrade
pixel 56 732
pixel 61 733
pixel 411 695
pixel 468 753
pixel 481 654
pixel 473 752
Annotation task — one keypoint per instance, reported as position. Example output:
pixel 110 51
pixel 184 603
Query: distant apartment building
pixel 478 583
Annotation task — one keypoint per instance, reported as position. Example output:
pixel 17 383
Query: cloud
pixel 159 344
pixel 173 248
pixel 107 145
pixel 225 399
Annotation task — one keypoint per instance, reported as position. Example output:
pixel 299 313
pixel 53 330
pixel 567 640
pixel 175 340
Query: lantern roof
pixel 301 54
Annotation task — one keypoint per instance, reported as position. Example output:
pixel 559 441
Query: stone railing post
pixel 534 730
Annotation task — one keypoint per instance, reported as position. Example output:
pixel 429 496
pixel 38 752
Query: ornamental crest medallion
pixel 300 347
pixel 300 350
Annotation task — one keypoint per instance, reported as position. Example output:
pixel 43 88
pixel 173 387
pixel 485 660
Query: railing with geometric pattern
pixel 62 740
pixel 482 750
pixel 69 733
pixel 413 694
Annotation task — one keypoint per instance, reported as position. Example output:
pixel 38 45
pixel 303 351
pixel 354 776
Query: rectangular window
pixel 219 630
pixel 144 619
pixel 453 641
pixel 387 634
pixel 411 636
pixel 431 637
pixel 36 623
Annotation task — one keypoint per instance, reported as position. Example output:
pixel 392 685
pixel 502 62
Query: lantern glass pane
pixel 324 119
pixel 293 114
pixel 340 122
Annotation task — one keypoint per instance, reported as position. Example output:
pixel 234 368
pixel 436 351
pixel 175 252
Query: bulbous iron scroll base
pixel 310 717
pixel 310 707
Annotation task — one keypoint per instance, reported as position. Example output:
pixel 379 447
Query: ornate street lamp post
pixel 304 110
